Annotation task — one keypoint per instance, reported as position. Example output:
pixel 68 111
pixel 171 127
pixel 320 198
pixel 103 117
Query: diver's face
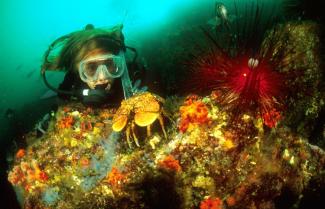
pixel 93 70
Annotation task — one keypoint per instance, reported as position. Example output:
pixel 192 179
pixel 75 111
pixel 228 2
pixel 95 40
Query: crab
pixel 142 109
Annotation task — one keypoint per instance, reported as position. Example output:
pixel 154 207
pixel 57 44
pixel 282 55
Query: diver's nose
pixel 101 76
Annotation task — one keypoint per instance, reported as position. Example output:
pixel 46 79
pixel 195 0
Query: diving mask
pixel 107 66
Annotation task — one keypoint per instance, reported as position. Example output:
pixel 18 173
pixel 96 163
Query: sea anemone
pixel 65 122
pixel 116 178
pixel 20 153
pixel 193 113
pixel 211 203
pixel 170 163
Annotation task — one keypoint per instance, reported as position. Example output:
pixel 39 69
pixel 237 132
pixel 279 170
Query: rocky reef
pixel 207 161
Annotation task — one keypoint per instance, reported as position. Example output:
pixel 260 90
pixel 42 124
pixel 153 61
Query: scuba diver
pixel 94 59
pixel 96 70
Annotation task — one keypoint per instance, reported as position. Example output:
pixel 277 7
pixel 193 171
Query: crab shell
pixel 146 109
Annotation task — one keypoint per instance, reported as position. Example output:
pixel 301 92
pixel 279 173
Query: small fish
pixel 221 11
pixel 30 73
pixel 221 16
pixel 19 67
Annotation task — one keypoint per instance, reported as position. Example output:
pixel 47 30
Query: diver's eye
pixel 91 69
pixel 107 62
pixel 113 68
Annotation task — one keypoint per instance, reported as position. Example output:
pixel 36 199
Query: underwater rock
pixel 296 50
pixel 217 162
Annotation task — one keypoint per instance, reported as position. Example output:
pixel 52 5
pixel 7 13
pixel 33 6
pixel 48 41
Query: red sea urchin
pixel 245 83
pixel 252 84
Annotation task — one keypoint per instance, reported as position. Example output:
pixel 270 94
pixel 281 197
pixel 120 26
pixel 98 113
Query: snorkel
pixel 126 81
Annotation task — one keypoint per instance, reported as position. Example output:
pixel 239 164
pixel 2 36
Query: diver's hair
pixel 79 44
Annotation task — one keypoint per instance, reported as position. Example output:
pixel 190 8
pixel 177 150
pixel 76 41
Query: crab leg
pixel 128 136
pixel 148 130
pixel 133 134
pixel 161 121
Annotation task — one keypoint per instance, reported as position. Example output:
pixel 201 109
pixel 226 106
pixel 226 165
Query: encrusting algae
pixel 218 164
